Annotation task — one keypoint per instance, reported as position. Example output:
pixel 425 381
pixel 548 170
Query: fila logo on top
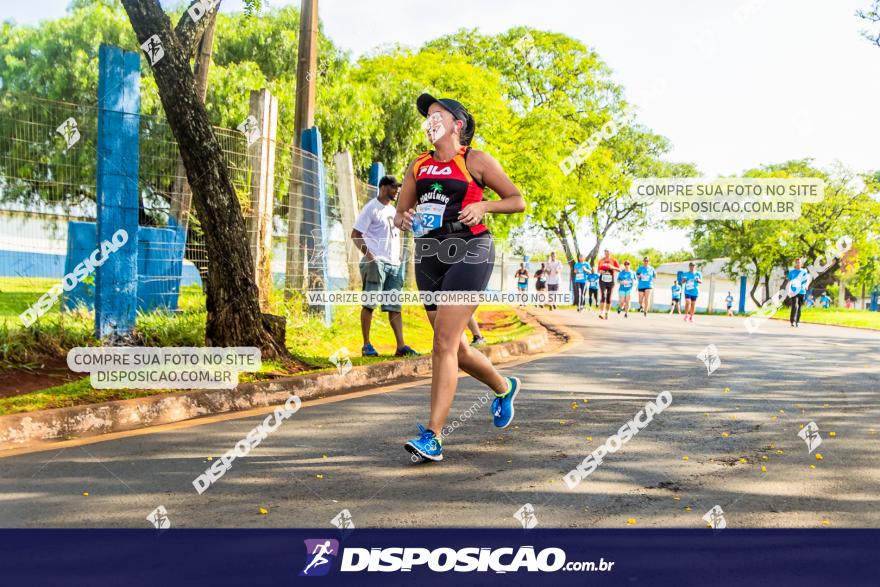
pixel 434 170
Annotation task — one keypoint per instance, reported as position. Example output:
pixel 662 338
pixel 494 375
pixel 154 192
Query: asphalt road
pixel 706 449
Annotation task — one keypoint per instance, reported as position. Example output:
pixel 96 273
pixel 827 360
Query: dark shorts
pixel 381 276
pixel 552 287
pixel 467 273
pixel 690 297
pixel 676 299
pixel 645 288
pixel 605 289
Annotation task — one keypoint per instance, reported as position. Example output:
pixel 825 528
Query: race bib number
pixel 626 284
pixel 607 278
pixel 691 284
pixel 430 218
pixel 523 279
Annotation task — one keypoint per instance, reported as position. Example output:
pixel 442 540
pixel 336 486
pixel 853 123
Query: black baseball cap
pixel 389 180
pixel 457 110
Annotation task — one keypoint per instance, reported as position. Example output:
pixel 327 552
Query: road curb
pixel 30 429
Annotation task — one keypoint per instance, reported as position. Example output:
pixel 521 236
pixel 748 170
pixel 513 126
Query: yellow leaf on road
pixel 631 521
pixel 263 511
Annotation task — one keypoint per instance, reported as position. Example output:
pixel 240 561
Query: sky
pixel 733 84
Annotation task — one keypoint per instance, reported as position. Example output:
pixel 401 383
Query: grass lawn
pixel 308 339
pixel 836 317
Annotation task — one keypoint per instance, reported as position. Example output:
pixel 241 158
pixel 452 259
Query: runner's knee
pixel 446 344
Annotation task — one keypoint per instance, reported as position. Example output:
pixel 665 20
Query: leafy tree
pixel 232 298
pixel 872 15
pixel 760 246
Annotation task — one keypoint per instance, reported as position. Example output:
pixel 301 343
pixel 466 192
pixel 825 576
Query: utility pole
pixel 299 238
pixel 306 69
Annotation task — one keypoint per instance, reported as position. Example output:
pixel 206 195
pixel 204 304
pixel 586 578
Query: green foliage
pixel 760 246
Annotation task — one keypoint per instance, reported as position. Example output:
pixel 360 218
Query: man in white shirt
pixel 554 271
pixel 376 237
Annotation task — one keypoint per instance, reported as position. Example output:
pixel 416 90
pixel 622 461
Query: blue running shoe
pixel 368 351
pixel 427 445
pixel 502 406
pixel 406 351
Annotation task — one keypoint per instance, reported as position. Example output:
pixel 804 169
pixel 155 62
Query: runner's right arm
pixel 358 238
pixel 406 201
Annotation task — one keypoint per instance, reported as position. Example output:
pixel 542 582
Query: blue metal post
pixel 119 105
pixel 742 294
pixel 315 190
pixel 377 172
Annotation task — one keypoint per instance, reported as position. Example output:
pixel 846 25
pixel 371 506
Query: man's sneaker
pixel 368 351
pixel 502 407
pixel 478 341
pixel 406 351
pixel 427 446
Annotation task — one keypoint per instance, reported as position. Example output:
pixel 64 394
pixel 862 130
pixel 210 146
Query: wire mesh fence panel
pixel 302 247
pixel 48 163
pixel 47 184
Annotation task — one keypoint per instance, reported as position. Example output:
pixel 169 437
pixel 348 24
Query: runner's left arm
pixel 488 171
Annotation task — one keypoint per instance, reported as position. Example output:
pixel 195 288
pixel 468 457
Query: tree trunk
pixel 756 284
pixel 180 206
pixel 234 316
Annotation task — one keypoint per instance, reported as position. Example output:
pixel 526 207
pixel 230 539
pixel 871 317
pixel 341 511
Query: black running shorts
pixel 605 291
pixel 451 269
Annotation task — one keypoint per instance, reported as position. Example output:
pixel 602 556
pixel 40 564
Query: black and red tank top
pixel 447 187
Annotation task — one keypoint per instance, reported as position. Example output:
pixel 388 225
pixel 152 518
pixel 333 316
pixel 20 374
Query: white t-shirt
pixel 376 223
pixel 554 269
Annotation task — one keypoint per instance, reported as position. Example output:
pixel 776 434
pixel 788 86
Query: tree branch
pixel 189 32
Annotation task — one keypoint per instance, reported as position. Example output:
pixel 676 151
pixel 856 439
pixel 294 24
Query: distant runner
pixel 522 281
pixel 692 280
pixel 676 298
pixel 541 279
pixel 581 269
pixel 608 268
pixel 729 301
pixel 624 289
pixel 798 280
pixel 593 280
pixel 645 275
pixel 554 272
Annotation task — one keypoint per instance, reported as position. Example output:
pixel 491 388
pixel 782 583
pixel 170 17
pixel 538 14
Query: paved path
pixel 348 453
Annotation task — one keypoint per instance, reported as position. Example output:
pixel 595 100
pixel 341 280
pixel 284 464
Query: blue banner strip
pixel 654 557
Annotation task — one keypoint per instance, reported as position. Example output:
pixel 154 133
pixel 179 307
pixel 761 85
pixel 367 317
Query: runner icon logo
pixel 159 518
pixel 715 518
pixel 343 520
pixel 526 516
pixel 319 555
pixel 710 358
pixel 810 434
